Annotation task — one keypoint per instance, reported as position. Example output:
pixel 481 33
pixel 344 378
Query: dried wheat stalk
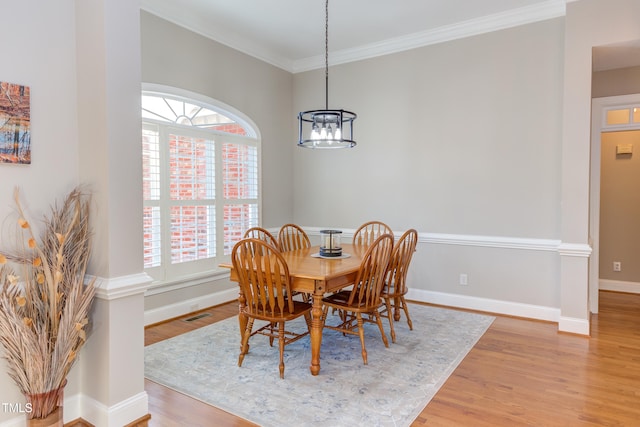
pixel 44 302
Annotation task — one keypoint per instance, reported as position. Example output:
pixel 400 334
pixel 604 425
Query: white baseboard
pixel 122 413
pixel 619 286
pixel 507 308
pixel 485 304
pixel 573 325
pixel 188 306
pixel 83 406
pixel 20 421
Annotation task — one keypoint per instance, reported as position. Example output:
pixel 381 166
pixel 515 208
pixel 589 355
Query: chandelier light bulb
pixel 315 135
pixel 323 132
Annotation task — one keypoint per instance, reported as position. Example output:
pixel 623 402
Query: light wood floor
pixel 520 373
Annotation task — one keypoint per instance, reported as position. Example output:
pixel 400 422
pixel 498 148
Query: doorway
pixel 603 121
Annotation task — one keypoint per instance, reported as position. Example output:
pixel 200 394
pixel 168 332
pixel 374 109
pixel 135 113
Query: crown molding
pixel 499 21
pixel 243 45
pixel 525 15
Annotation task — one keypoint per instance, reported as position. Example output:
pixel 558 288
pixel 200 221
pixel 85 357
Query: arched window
pixel 200 182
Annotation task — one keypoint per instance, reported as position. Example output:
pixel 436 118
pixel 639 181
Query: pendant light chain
pixel 326 54
pixel 326 129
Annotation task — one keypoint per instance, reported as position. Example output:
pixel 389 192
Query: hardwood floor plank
pixel 520 373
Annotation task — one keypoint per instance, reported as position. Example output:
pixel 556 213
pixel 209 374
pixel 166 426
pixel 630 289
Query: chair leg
pixel 379 322
pixel 406 311
pixel 272 327
pixel 397 303
pixel 361 333
pixel 281 345
pixel 325 311
pixel 387 304
pixel 244 346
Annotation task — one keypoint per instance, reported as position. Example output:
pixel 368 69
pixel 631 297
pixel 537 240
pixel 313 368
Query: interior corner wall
pixel 174 56
pixel 458 138
pixel 260 91
pixel 39 36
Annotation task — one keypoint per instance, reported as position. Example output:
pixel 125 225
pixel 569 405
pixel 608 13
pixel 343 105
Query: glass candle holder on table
pixel 330 243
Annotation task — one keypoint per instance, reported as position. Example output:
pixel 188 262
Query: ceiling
pixel 290 33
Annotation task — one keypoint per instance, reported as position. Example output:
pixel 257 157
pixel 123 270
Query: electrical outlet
pixel 617 266
pixel 463 280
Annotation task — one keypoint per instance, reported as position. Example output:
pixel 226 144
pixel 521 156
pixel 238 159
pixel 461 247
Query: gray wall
pixel 461 138
pixel 49 43
pixel 173 56
pixel 176 57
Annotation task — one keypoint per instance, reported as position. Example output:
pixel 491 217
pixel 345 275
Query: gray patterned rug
pixel 391 390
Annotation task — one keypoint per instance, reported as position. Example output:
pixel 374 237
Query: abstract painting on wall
pixel 15 123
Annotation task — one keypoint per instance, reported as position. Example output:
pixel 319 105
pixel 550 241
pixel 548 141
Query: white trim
pixel 486 24
pixel 218 106
pixel 619 286
pixel 511 18
pixel 502 242
pixel 507 308
pixel 82 406
pixel 531 244
pixel 582 250
pixel 20 421
pixel 122 413
pixel 122 287
pixel 574 325
pixel 181 308
pixel 158 287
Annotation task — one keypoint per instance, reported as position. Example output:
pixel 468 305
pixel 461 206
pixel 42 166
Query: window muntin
pixel 627 116
pixel 200 185
pixel 180 111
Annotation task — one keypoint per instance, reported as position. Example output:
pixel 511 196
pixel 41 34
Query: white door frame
pixel 598 106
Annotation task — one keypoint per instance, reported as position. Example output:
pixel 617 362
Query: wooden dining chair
pixel 264 279
pixel 261 234
pixel 361 303
pixel 370 231
pixel 395 282
pixel 292 237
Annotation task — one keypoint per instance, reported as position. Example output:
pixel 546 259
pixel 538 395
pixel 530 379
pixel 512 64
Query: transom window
pixel 617 118
pixel 200 184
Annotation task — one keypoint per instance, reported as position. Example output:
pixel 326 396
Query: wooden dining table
pixel 315 276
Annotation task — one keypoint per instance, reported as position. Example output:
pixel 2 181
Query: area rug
pixel 391 390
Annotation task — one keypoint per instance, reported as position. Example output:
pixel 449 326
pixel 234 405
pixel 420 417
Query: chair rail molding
pixel 121 287
pixel 575 250
pixel 503 242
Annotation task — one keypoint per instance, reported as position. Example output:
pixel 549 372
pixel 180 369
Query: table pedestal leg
pixel 316 333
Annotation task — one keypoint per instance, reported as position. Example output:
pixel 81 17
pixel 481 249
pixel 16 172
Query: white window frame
pixel 193 272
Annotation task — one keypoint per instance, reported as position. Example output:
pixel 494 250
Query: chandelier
pixel 326 128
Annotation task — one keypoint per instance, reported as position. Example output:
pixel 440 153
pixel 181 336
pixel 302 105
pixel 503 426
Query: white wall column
pixel 588 23
pixel 108 69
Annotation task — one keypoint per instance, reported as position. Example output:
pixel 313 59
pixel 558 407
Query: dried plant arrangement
pixel 45 302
